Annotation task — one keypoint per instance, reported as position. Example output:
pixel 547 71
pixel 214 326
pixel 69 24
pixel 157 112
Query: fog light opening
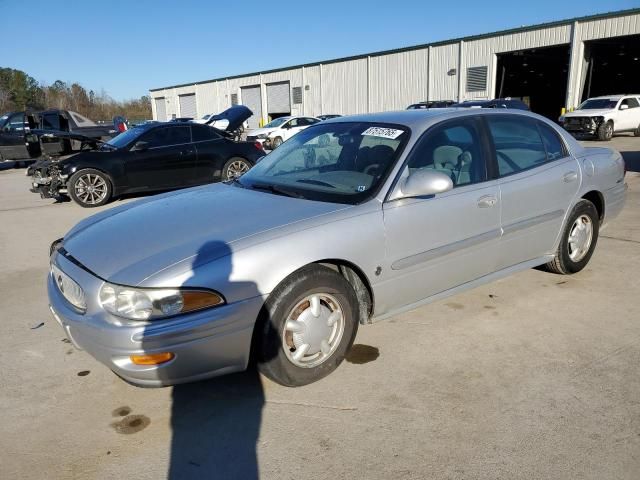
pixel 152 358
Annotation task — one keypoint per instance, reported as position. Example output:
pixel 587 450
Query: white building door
pixel 161 109
pixel 188 105
pixel 252 99
pixel 278 98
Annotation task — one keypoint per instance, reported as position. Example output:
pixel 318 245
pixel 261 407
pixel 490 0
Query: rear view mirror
pixel 424 182
pixel 140 146
pixel 624 107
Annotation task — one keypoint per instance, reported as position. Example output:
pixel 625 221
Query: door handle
pixel 487 201
pixel 570 177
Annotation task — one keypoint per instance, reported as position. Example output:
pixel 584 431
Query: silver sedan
pixel 351 221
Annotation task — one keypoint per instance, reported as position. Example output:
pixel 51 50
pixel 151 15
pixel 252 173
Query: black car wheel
pixel 605 131
pixel 90 188
pixel 235 168
pixel 276 142
pixel 307 326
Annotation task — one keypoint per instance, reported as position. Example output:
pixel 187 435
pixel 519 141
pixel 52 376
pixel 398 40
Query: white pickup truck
pixel 605 116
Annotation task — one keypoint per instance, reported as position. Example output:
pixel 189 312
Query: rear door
pixel 538 181
pixel 292 127
pixel 628 118
pixel 438 242
pixel 212 153
pixel 168 162
pixel 12 138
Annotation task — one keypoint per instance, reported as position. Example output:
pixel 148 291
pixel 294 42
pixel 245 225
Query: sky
pixel 128 47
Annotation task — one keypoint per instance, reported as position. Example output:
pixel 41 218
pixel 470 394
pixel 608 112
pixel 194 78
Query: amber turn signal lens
pixel 198 299
pixel 152 359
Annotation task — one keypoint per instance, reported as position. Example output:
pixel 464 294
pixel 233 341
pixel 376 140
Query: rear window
pixel 552 143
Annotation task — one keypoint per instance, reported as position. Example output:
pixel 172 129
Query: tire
pixel 276 143
pixel 282 331
pixel 81 193
pixel 605 131
pixel 569 259
pixel 235 168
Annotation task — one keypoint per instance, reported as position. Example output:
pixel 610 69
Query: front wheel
pixel 307 327
pixel 605 131
pixel 276 142
pixel 578 240
pixel 235 168
pixel 90 188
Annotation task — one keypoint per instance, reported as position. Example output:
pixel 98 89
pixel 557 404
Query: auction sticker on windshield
pixel 391 133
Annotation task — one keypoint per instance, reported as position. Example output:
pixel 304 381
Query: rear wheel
pixel 307 326
pixel 90 188
pixel 276 142
pixel 605 131
pixel 578 240
pixel 235 168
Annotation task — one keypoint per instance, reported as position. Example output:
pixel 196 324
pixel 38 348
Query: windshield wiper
pixel 316 182
pixel 275 190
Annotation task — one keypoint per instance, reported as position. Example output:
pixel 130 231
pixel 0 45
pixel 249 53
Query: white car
pixel 279 130
pixel 204 119
pixel 605 116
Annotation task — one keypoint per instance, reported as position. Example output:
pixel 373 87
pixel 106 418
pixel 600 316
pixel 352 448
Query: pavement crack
pixel 314 405
pixel 620 239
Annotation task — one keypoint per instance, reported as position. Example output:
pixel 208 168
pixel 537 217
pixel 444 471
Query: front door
pixel 12 138
pixel 440 242
pixel 169 160
pixel 538 181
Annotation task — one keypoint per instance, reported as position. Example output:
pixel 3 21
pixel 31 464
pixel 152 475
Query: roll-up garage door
pixel 278 98
pixel 161 109
pixel 251 98
pixel 188 105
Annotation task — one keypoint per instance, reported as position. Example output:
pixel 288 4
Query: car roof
pixel 618 96
pixel 423 118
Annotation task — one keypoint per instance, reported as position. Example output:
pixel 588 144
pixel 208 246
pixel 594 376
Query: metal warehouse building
pixel 549 66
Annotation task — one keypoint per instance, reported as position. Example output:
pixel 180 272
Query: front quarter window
pixel 339 162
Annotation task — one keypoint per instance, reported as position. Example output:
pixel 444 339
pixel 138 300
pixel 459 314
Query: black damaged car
pixel 153 156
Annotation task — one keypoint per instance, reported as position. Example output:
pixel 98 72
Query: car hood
pixel 236 116
pixel 587 113
pixel 128 244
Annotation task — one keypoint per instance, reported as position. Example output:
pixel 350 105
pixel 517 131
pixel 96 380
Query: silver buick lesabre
pixel 350 221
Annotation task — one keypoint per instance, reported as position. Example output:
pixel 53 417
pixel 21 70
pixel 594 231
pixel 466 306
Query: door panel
pixel 438 243
pixel 168 162
pixel 12 138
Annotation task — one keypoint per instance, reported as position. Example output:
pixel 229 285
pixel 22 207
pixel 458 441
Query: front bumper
pixel 205 344
pixel 581 125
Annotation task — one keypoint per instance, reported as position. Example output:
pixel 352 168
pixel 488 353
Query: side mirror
pixel 423 182
pixel 624 107
pixel 140 146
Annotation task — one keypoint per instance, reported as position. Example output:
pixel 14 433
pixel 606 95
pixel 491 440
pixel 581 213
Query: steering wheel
pixel 372 169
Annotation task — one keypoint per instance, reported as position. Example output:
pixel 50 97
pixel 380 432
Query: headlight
pixel 151 303
pixel 69 289
pixel 262 135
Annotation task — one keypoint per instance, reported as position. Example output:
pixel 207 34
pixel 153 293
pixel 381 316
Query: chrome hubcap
pixel 313 330
pixel 580 238
pixel 91 188
pixel 237 168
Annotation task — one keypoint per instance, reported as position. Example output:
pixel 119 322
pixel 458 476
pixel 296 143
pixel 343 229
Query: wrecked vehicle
pixel 150 157
pixel 30 134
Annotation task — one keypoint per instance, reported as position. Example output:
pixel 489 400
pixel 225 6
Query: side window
pixel 293 123
pixel 454 149
pixel 160 137
pixel 517 142
pixel 201 134
pixel 633 103
pixel 15 123
pixel 51 121
pixel 552 143
pixel 311 121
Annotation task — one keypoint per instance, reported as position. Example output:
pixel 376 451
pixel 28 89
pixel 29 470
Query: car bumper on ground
pixel 204 344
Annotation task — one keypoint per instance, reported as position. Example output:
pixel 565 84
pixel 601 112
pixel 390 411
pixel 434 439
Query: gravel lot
pixel 532 377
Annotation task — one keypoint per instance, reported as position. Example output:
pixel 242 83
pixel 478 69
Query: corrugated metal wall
pixel 395 80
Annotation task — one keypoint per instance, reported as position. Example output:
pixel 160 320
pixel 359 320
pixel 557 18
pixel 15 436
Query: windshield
pixel 276 123
pixel 125 138
pixel 598 103
pixel 335 162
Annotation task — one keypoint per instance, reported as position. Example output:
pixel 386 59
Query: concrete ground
pixel 532 377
